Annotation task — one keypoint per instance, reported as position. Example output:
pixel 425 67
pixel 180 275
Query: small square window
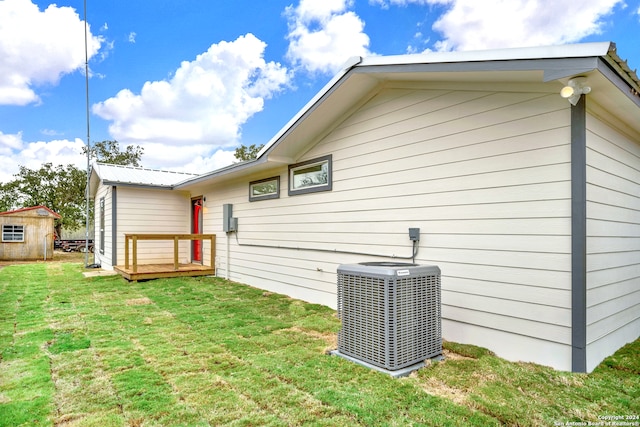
pixel 13 233
pixel 310 176
pixel 263 189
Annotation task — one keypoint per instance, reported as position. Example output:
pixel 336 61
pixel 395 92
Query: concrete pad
pixel 99 272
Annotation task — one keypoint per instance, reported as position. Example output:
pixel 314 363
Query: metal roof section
pixel 361 76
pixel 129 175
pixel 508 54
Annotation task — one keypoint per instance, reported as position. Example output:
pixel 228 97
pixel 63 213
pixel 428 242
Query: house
pixel 27 234
pixel 137 200
pixel 520 167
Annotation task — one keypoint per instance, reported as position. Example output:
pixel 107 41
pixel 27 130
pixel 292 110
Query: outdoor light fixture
pixel 574 88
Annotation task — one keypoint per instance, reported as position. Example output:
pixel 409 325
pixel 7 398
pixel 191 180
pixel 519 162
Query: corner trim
pixel 579 236
pixel 114 226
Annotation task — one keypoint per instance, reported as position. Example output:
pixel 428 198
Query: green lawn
pixel 205 351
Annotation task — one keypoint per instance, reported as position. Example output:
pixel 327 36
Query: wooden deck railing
pixel 175 237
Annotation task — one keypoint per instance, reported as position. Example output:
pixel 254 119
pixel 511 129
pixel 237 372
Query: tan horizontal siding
pixel 153 211
pixel 612 244
pixel 613 236
pixel 486 178
pixel 489 320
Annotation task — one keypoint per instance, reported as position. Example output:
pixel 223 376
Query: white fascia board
pixel 351 63
pixel 539 52
pixel 545 52
pixel 581 53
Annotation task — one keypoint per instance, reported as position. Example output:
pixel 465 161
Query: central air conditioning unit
pixel 390 315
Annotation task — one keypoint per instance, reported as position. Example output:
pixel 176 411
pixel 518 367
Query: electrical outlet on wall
pixel 414 234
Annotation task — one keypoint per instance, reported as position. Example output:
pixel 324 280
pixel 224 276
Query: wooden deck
pixel 157 271
pixel 136 271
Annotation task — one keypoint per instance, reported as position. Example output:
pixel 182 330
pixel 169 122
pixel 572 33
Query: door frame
pixel 196 211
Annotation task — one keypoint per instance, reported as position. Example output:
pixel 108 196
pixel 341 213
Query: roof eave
pixel 138 185
pixel 226 171
pixel 556 62
pixel 328 88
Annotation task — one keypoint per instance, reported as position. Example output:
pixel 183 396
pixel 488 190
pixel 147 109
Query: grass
pixel 205 351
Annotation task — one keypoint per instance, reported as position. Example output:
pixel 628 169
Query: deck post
pixel 175 253
pixel 213 249
pixel 135 253
pixel 126 252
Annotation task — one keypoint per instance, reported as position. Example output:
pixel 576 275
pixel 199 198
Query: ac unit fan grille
pixel 389 322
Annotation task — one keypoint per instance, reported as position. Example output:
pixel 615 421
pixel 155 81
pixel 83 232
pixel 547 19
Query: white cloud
pixel 50 132
pixel 201 108
pixel 38 47
pixel 9 142
pixel 323 35
pixel 132 37
pixel 202 164
pixel 385 3
pixel 474 25
pixel 14 152
pixel 196 158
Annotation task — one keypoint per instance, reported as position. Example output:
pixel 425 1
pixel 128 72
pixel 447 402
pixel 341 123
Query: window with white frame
pixel 12 233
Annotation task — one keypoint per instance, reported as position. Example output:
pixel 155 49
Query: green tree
pixel 109 152
pixel 63 188
pixel 244 153
pixel 60 188
pixel 8 196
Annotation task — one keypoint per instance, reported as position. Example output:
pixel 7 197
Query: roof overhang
pixel 130 176
pixel 614 87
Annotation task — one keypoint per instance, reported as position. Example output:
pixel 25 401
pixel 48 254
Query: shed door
pixel 196 228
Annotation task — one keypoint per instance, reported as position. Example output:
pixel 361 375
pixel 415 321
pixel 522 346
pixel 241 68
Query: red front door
pixel 196 228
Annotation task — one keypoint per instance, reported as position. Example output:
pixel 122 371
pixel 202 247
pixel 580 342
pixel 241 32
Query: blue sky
pixel 190 80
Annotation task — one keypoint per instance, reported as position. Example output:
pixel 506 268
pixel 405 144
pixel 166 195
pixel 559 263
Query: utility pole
pixel 86 79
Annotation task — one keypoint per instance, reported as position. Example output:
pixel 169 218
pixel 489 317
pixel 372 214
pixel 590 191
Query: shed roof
pixel 46 211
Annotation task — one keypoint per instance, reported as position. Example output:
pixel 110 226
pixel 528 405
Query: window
pixel 13 233
pixel 310 176
pixel 102 225
pixel 268 188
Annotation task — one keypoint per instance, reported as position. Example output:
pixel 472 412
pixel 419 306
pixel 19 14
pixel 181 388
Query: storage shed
pixel 519 167
pixel 27 234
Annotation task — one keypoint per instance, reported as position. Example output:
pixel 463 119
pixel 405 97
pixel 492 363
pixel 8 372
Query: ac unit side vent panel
pixel 390 313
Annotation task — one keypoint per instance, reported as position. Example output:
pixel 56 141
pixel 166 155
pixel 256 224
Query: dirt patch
pixel 439 388
pixel 58 257
pixel 449 355
pixel 139 301
pixel 330 338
